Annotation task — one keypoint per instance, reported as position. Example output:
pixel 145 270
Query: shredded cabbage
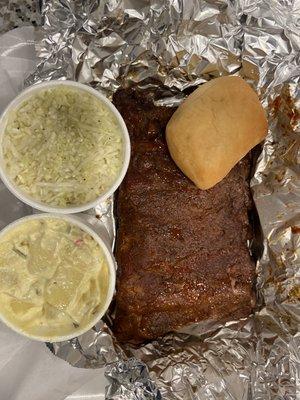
pixel 63 147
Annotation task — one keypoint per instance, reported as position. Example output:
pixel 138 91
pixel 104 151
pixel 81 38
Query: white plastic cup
pixel 26 198
pixel 111 263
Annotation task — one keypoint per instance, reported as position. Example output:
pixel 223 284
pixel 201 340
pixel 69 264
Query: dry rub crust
pixel 182 252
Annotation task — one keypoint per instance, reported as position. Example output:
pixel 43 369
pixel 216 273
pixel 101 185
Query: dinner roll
pixel 214 128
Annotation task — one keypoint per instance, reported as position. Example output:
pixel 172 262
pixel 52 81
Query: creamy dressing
pixel 53 277
pixel 63 147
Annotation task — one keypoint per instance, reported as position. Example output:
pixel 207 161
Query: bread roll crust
pixel 214 128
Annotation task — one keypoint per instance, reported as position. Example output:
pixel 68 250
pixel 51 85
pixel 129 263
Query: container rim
pixel 110 262
pixel 29 200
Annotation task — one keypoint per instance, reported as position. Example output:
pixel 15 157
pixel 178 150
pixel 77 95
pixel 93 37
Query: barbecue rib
pixel 182 252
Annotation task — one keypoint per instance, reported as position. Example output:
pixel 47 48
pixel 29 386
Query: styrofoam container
pixel 111 263
pixel 29 199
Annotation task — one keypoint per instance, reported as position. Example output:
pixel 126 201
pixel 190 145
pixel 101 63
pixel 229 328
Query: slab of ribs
pixel 182 252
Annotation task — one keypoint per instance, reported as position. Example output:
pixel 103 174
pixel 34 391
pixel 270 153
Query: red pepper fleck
pixel 296 229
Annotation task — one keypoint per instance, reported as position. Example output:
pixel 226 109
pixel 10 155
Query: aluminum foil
pixel 174 45
pixel 16 13
pixel 130 381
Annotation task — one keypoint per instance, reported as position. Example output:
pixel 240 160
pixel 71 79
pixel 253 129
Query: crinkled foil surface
pixel 179 44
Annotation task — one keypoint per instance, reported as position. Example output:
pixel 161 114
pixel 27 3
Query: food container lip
pixel 111 266
pixel 27 199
